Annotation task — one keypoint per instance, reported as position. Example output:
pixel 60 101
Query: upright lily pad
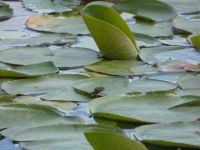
pixel 169 53
pixel 5 11
pixel 99 140
pixel 72 24
pixel 153 10
pixel 49 6
pixel 177 134
pixel 121 43
pixel 153 108
pixel 47 87
pixel 195 40
pixel 118 86
pixel 189 81
pixel 27 71
pixel 187 26
pixel 122 67
pixel 63 57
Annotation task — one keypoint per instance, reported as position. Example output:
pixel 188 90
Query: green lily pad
pixel 189 81
pixel 16 117
pixel 72 24
pixel 122 67
pixel 188 92
pixel 49 6
pixel 153 108
pixel 27 71
pixel 163 29
pixel 121 43
pixel 187 26
pixel 195 40
pixel 63 57
pixel 46 86
pixel 116 86
pixel 162 54
pixel 57 137
pixel 151 10
pixel 99 140
pixel 171 134
pixel 17 38
pixel 184 6
pixel 5 11
pixel 60 105
pixel 175 41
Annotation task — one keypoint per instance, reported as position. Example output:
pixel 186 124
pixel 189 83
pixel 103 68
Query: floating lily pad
pixel 121 43
pixel 144 40
pixel 187 26
pixel 189 82
pixel 99 140
pixel 153 108
pixel 117 86
pixel 27 71
pixel 158 11
pixel 169 53
pixel 57 137
pixel 171 134
pixel 49 6
pixel 63 57
pixel 195 40
pixel 46 86
pixel 188 92
pixel 5 11
pixel 72 24
pixel 17 38
pixel 184 6
pixel 163 29
pixel 122 67
pixel 175 41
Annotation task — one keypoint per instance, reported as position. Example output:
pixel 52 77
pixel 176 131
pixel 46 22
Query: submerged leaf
pixel 121 43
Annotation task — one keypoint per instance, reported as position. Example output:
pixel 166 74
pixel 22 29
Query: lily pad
pixel 163 29
pixel 122 67
pixel 184 6
pixel 46 86
pixel 116 86
pixel 189 81
pixel 99 140
pixel 63 57
pixel 17 38
pixel 121 43
pixel 153 108
pixel 162 54
pixel 5 11
pixel 49 6
pixel 188 92
pixel 195 40
pixel 153 10
pixel 27 71
pixel 187 26
pixel 175 41
pixel 72 24
pixel 171 134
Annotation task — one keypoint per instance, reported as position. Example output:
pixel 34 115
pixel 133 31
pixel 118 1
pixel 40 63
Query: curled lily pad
pixel 5 11
pixel 122 67
pixel 148 108
pixel 72 24
pixel 162 54
pixel 18 38
pixel 27 71
pixel 121 43
pixel 99 140
pixel 171 134
pixel 63 57
pixel 49 6
pixel 47 87
pixel 189 82
pixel 187 26
pixel 195 40
pixel 116 86
pixel 153 10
